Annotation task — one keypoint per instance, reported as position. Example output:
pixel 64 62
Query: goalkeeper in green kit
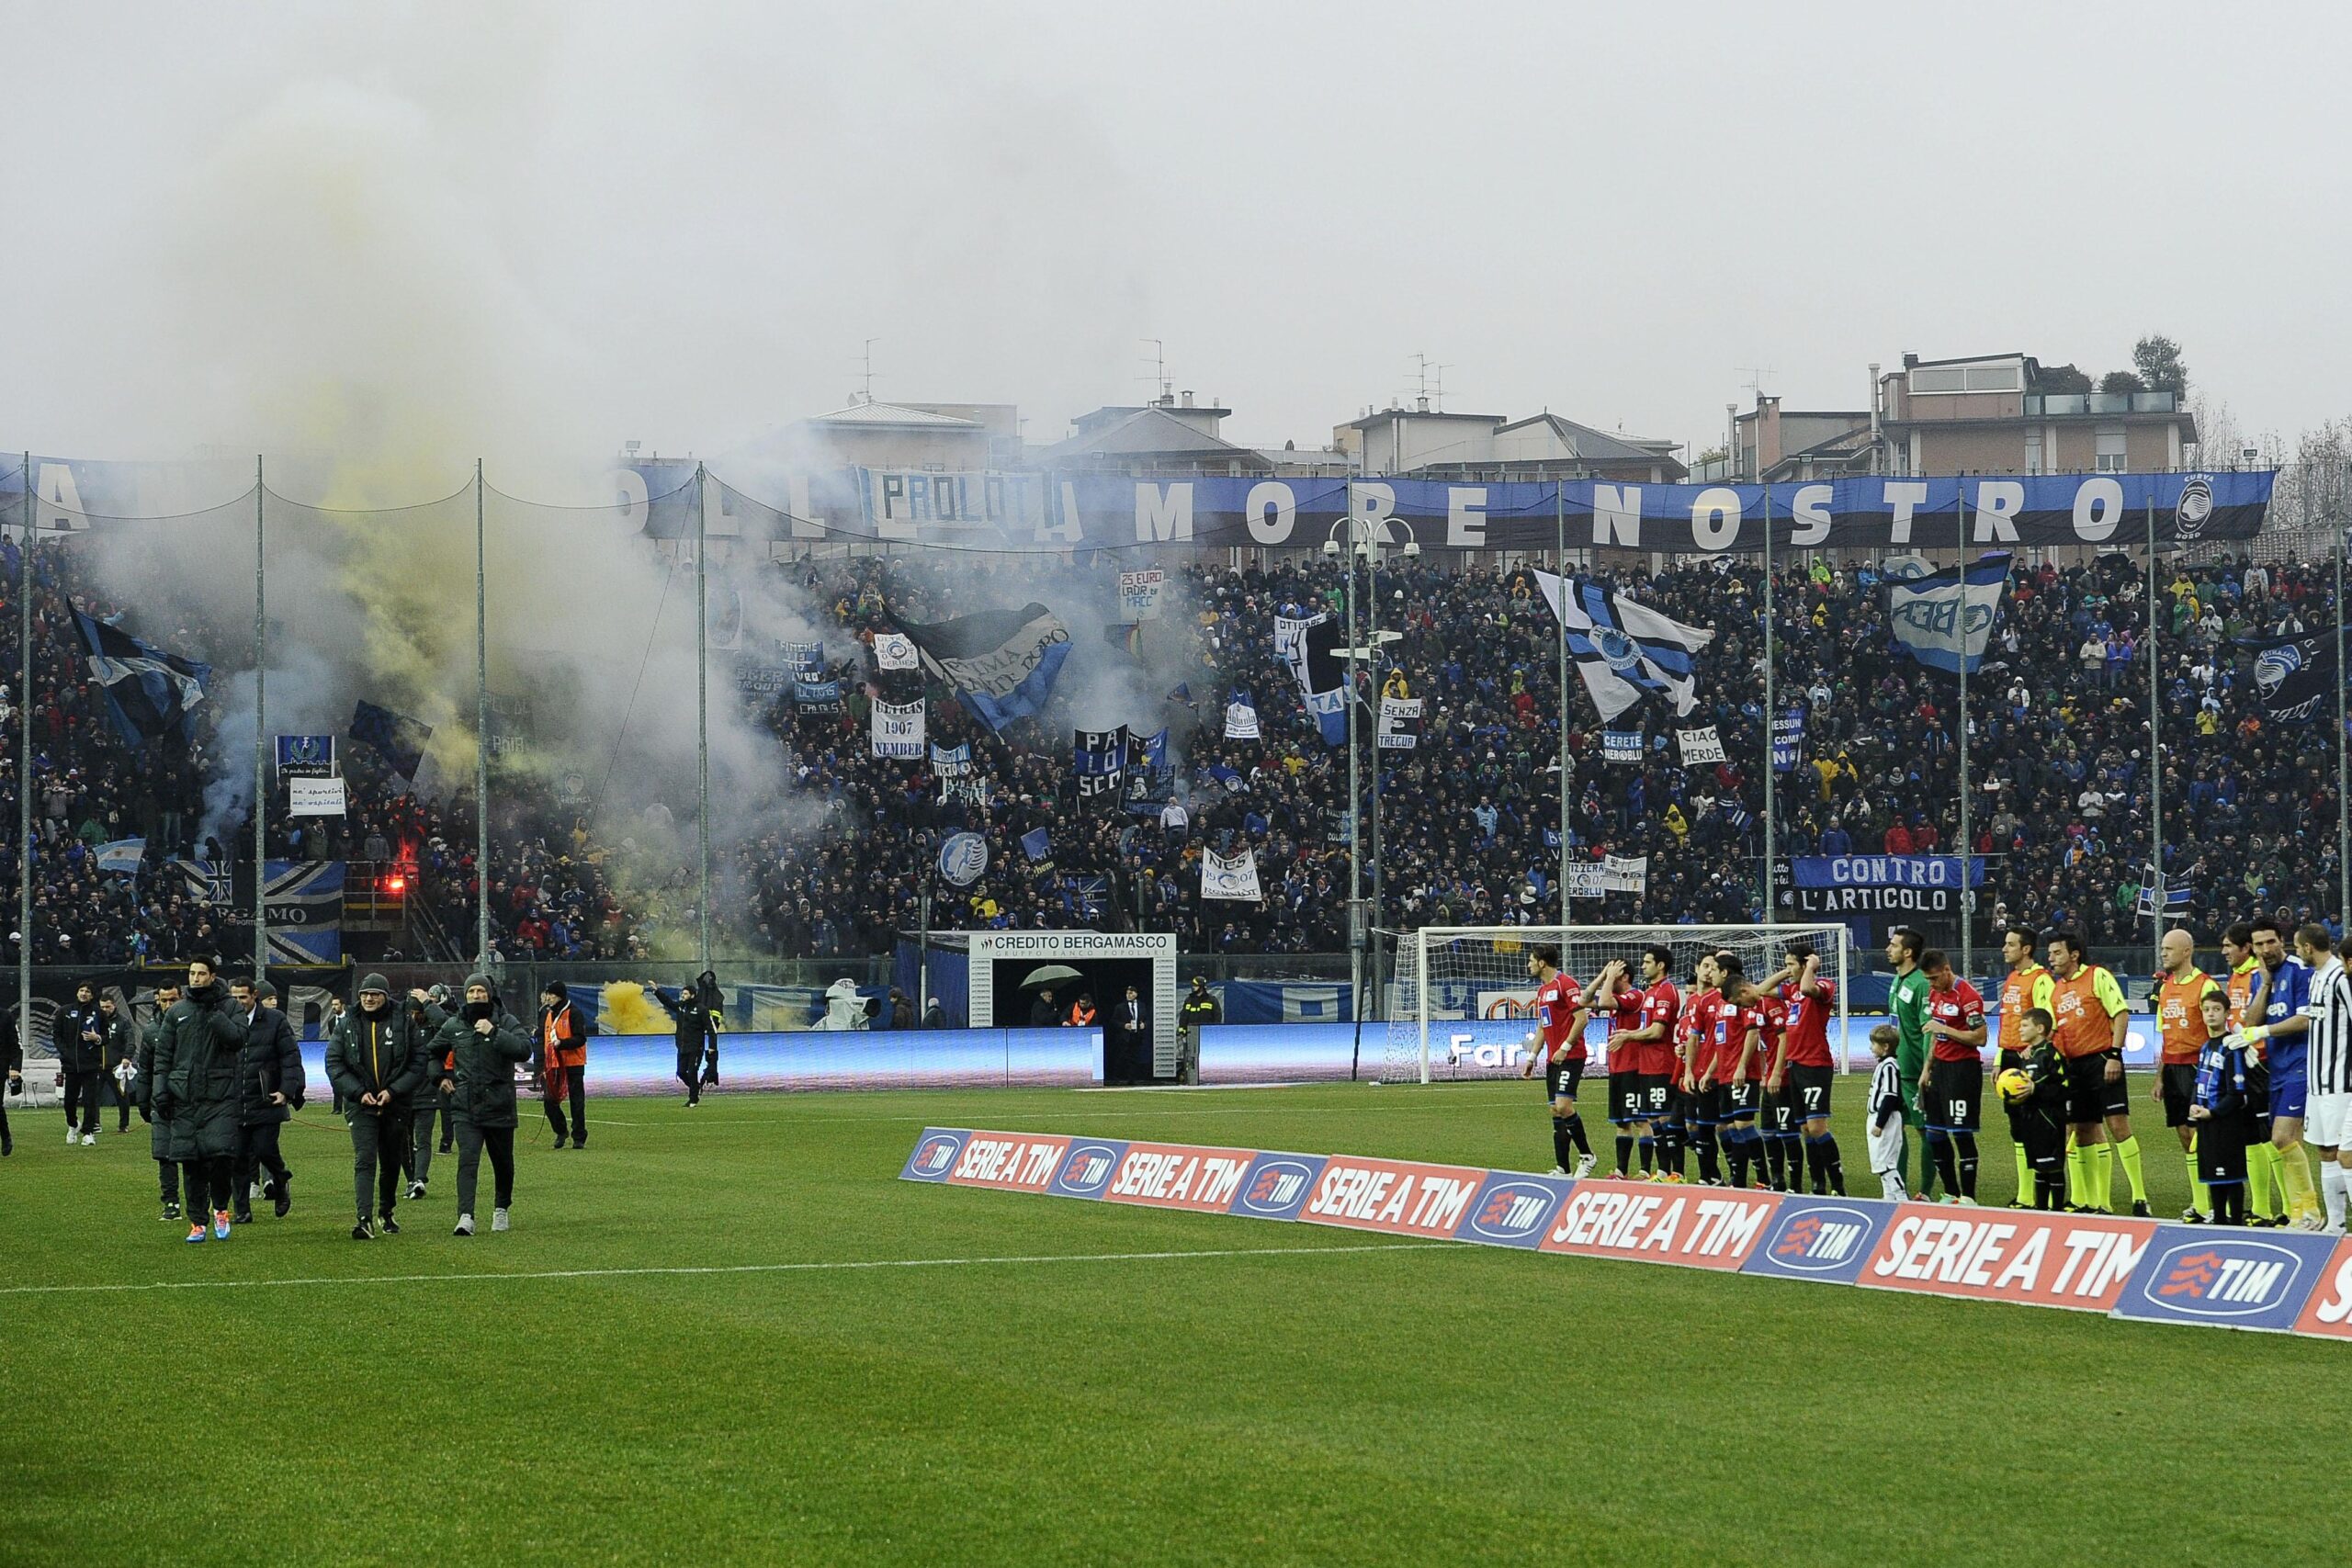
pixel 1907 1000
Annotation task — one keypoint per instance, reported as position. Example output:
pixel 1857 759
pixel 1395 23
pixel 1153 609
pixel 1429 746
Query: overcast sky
pixel 422 233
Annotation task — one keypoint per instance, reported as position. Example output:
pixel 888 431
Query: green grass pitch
pixel 732 1334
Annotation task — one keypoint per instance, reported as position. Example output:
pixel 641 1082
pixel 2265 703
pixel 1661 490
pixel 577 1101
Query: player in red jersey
pixel 1557 1041
pixel 1694 1047
pixel 1641 1052
pixel 1755 1039
pixel 1661 1063
pixel 1953 1083
pixel 1800 1079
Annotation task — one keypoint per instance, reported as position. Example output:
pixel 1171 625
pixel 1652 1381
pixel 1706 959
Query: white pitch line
pixel 727 1268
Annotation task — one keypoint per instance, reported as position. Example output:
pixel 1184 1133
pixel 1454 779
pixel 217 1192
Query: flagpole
pixel 1560 525
pixel 1771 798
pixel 702 718
pixel 481 734
pixel 1355 793
pixel 1967 847
pixel 25 775
pixel 2156 755
pixel 261 741
pixel 1379 883
pixel 2343 802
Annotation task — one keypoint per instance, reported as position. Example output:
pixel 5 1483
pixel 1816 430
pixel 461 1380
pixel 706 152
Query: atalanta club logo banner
pixel 2103 1263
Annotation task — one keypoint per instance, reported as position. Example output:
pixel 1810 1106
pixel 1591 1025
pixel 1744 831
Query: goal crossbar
pixel 1464 1000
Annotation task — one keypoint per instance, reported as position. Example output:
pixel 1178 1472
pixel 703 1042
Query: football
pixel 2015 1086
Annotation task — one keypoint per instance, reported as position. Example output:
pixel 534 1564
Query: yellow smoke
pixel 628 1011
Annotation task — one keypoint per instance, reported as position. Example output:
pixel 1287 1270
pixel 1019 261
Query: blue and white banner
pixel 1621 746
pixel 1154 753
pixel 963 858
pixel 895 650
pixel 1923 612
pixel 1311 649
pixel 1884 871
pixel 305 756
pixel 1103 512
pixel 805 659
pixel 816 696
pixel 1788 738
pixel 1233 877
pixel 1240 718
pixel 1000 664
pixel 1038 845
pixel 1622 647
pixel 897 730
pixel 950 761
pixel 122 855
pixel 303 900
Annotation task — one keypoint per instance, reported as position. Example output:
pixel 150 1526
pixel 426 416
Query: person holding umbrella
pixel 1043 1012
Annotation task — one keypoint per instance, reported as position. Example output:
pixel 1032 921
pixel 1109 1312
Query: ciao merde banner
pixel 2267 1281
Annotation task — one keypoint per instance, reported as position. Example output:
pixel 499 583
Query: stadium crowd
pixel 2060 768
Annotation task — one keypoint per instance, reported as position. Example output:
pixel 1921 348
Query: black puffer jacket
pixel 484 1070
pixel 195 1074
pixel 270 1062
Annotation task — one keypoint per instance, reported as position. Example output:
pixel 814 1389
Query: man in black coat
pixel 12 1062
pixel 269 1090
pixel 696 1018
pixel 79 1034
pixel 121 1045
pixel 1131 1029
pixel 1042 1013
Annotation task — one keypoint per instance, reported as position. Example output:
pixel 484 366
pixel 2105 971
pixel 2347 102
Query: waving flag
pixel 1311 649
pixel 1101 761
pixel 399 739
pixel 1921 612
pixel 1002 663
pixel 123 854
pixel 151 693
pixel 1624 647
pixel 1240 718
pixel 2294 676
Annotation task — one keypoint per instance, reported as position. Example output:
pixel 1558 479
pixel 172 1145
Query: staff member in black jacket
pixel 484 1042
pixel 269 1090
pixel 1198 1011
pixel 80 1036
pixel 120 1044
pixel 196 1088
pixel 376 1062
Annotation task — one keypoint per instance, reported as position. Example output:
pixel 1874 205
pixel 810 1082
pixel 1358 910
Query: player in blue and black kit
pixel 2222 1111
pixel 2281 1000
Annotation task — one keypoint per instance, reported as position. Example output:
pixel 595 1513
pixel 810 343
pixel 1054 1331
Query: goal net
pixel 1464 1001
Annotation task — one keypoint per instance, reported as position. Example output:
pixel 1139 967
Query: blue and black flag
pixel 397 737
pixel 151 693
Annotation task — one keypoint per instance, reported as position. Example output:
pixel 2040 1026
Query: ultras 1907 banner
pixel 1103 513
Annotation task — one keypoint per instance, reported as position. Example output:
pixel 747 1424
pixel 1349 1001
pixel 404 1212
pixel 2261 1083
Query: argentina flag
pixel 151 693
pixel 1624 647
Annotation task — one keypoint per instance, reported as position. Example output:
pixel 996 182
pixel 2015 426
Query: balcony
pixel 2051 404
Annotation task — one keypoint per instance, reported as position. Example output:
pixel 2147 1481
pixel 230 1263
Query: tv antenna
pixel 1157 360
pixel 867 395
pixel 1756 373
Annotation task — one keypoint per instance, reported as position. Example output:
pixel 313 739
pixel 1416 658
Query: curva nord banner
pixel 1105 512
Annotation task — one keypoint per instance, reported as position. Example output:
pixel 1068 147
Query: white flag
pixel 1240 721
pixel 1623 647
pixel 895 650
pixel 897 730
pixel 1588 880
pixel 1625 874
pixel 1236 878
pixel 1700 745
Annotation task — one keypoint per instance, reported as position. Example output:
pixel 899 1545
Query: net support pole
pixel 482 732
pixel 1772 797
pixel 1567 776
pixel 1959 722
pixel 1379 883
pixel 2156 761
pixel 1355 789
pixel 2343 801
pixel 25 773
pixel 702 722
pixel 261 732
pixel 1845 1016
pixel 1421 989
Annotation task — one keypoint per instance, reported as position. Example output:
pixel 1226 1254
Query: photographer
pixel 376 1062
pixel 269 1090
pixel 482 1043
pixel 196 1089
pixel 80 1036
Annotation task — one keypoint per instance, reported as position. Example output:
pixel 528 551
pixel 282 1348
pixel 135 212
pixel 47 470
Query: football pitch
pixel 733 1335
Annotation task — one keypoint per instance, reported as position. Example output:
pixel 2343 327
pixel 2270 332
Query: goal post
pixel 1464 1002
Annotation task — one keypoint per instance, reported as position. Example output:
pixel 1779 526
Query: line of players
pixel 1738 1072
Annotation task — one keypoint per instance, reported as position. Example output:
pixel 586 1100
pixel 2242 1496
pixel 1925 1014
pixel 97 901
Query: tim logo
pixel 1277 1190
pixel 1821 1239
pixel 1511 1212
pixel 936 1156
pixel 2233 1280
pixel 1088 1168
